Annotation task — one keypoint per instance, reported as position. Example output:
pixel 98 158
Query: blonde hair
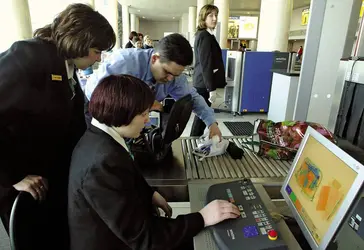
pixel 204 12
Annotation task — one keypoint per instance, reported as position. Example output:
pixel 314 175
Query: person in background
pixel 110 203
pixel 42 111
pixel 209 71
pixel 141 36
pixel 133 38
pixel 139 45
pixel 148 43
pixel 161 68
pixel 242 47
pixel 299 54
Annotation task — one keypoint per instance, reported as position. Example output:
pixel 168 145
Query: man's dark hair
pixel 117 99
pixel 175 48
pixel 77 29
pixel 132 34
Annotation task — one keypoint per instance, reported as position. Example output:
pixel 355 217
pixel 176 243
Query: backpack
pixel 154 143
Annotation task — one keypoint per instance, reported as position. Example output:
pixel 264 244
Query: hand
pixel 160 202
pixel 157 106
pixel 217 211
pixel 214 130
pixel 212 97
pixel 36 185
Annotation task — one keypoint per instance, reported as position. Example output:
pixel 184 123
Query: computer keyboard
pixel 254 229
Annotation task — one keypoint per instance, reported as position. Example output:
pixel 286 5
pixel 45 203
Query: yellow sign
pixel 56 77
pixel 362 9
pixel 305 16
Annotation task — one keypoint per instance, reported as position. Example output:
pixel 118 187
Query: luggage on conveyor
pixel 154 143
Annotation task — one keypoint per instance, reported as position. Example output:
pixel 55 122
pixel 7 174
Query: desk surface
pixel 204 240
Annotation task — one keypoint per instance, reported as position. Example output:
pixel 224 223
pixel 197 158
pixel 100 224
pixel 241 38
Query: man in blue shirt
pixel 161 68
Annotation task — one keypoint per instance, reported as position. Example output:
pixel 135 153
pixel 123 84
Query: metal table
pixel 169 177
pixel 204 240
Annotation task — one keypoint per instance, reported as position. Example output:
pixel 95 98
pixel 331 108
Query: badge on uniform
pixel 56 77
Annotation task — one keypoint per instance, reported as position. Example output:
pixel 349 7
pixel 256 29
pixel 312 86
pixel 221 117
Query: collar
pixel 70 68
pixel 110 131
pixel 212 32
pixel 149 79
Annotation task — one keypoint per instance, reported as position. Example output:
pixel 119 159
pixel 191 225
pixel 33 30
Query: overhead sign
pixel 248 27
pixel 305 16
pixel 243 27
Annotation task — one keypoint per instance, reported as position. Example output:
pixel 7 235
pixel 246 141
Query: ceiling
pixel 162 10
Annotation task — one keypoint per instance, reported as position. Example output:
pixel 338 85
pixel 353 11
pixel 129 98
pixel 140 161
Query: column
pixel 22 28
pixel 192 19
pixel 184 25
pixel 91 3
pixel 222 22
pixel 191 24
pixel 126 26
pixel 132 23
pixel 328 39
pixel 109 9
pixel 137 24
pixel 275 19
pixel 200 4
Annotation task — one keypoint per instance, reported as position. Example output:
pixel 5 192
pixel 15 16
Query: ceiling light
pixel 248 12
pixel 173 17
pixel 143 16
pixel 138 10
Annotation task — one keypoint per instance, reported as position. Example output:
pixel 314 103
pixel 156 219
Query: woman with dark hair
pixel 110 204
pixel 209 72
pixel 141 36
pixel 42 109
pixel 133 39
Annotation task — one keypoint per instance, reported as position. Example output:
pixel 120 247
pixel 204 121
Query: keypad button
pixel 263 231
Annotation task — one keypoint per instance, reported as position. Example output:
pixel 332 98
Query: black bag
pixel 154 143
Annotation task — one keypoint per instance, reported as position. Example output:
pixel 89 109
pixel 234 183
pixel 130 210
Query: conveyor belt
pixel 224 167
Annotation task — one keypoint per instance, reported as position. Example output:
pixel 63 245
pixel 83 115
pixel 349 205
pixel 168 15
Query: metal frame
pixel 348 71
pixel 236 82
pixel 347 202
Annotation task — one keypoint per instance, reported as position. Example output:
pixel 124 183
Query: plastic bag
pixel 210 147
pixel 281 140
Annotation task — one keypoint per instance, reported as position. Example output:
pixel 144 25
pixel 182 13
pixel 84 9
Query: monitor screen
pixel 320 188
pixel 231 68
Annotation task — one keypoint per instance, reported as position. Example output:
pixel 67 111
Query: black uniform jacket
pixel 110 203
pixel 41 120
pixel 209 71
pixel 129 45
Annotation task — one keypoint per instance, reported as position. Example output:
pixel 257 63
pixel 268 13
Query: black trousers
pixel 198 125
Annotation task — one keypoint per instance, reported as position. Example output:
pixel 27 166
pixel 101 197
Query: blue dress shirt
pixel 137 63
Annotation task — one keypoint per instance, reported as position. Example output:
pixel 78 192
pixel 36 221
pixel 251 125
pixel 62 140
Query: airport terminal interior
pixel 291 114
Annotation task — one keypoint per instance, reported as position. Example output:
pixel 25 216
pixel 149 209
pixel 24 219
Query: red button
pixel 272 234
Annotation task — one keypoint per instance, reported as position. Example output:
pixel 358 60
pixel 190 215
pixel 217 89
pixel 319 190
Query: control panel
pixel 254 229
